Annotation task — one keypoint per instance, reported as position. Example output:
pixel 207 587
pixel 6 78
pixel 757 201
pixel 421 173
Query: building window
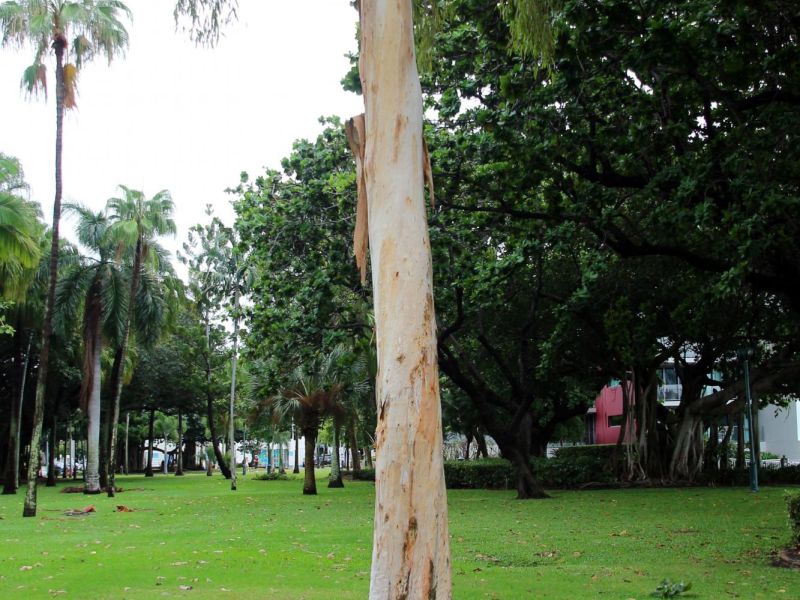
pixel 615 421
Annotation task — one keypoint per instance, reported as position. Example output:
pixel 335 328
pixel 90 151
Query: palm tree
pixel 95 28
pixel 136 221
pixel 20 230
pixel 311 396
pixel 98 283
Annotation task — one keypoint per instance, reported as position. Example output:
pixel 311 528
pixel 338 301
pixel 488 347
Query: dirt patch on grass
pixel 788 558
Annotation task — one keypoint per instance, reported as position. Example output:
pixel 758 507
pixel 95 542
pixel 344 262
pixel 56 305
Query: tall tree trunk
pixel 351 437
pixel 234 357
pixel 11 483
pixel 687 456
pixel 148 471
pixel 483 451
pixel 740 464
pixel 411 553
pixel 51 460
pixel 296 468
pixel 92 485
pixel 212 426
pixel 117 374
pixel 368 457
pixel 209 471
pixel 336 473
pixel 309 482
pixel 179 462
pixel 127 428
pixel 29 509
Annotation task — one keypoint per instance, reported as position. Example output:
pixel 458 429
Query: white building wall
pixel 780 430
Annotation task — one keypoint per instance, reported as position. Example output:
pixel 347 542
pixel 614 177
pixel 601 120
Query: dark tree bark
pixel 296 468
pixel 51 460
pixel 179 462
pixel 11 482
pixel 148 472
pixel 351 436
pixel 309 481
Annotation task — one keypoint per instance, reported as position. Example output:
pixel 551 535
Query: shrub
pixel 600 452
pixel 274 476
pixel 793 504
pixel 488 474
pixel 364 475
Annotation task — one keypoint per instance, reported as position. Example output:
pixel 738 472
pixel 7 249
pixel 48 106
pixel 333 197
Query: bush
pixel 364 475
pixel 599 452
pixel 488 474
pixel 793 504
pixel 274 476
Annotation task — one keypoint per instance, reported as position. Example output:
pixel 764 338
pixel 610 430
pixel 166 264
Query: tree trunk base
pixel 336 483
pixel 307 492
pixel 92 492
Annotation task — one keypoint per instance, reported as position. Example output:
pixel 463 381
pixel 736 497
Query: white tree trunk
pixel 411 554
pixel 92 485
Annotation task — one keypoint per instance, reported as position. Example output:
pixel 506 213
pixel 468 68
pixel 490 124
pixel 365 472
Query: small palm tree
pixel 312 395
pixel 95 28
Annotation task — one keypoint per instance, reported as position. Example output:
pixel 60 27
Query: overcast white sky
pixel 169 115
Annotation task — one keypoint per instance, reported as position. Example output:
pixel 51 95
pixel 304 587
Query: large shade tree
pixel 75 31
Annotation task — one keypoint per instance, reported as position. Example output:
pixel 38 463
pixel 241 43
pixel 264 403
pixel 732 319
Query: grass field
pixel 267 540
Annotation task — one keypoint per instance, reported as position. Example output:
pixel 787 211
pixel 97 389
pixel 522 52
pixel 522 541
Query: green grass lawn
pixel 267 540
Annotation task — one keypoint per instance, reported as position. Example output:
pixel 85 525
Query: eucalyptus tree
pixel 77 31
pixel 136 221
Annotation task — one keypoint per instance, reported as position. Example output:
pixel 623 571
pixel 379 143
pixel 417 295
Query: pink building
pixel 607 412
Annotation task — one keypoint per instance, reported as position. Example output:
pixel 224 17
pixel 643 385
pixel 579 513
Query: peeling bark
pixel 411 554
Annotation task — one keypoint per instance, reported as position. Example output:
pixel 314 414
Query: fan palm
pixel 76 30
pixel 312 394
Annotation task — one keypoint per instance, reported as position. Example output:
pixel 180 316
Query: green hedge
pixel 604 452
pixel 793 504
pixel 488 474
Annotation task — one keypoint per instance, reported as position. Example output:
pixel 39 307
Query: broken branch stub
pixel 355 130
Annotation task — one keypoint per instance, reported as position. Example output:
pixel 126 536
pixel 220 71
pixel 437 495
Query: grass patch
pixel 268 540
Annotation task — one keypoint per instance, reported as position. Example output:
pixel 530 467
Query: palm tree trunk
pixel 411 553
pixel 92 485
pixel 51 461
pixel 179 466
pixel 122 354
pixel 127 427
pixel 29 509
pixel 336 472
pixel 351 436
pixel 14 427
pixel 231 427
pixel 148 471
pixel 310 482
pixel 296 468
pixel 165 461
